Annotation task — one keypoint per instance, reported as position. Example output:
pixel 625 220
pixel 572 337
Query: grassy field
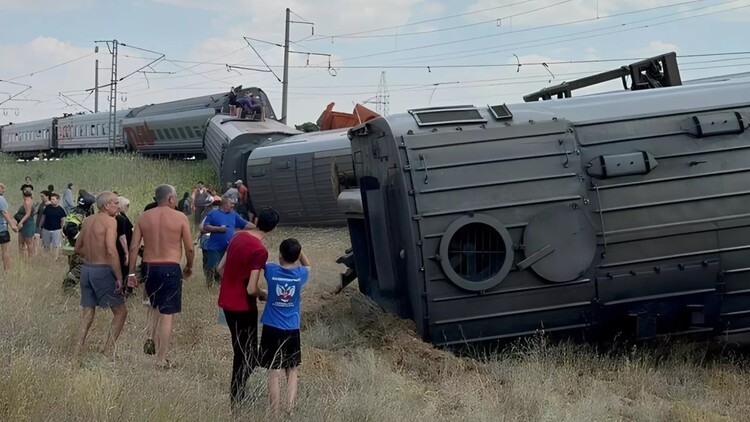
pixel 353 369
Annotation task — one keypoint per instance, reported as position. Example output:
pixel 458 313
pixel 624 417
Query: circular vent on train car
pixel 476 252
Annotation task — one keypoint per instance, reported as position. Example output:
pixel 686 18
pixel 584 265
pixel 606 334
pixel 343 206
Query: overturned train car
pixel 301 176
pixel 229 141
pixel 618 212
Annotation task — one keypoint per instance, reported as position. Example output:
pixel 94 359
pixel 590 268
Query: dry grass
pixel 352 371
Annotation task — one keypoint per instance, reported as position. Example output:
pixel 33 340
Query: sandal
pixel 149 347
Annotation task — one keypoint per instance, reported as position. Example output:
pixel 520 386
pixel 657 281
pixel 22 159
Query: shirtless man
pixel 164 231
pixel 101 275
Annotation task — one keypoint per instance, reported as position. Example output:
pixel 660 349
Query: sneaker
pixel 149 347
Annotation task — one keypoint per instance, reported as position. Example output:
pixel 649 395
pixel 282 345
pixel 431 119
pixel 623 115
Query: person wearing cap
pixel 219 225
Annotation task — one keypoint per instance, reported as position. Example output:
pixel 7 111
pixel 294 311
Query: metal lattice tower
pixel 382 99
pixel 113 98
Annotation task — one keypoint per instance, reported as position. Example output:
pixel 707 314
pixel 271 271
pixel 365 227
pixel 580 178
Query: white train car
pixel 28 139
pixel 88 132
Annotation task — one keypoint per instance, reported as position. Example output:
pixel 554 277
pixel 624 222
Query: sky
pixel 428 52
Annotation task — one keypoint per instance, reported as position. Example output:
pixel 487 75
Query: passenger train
pixel 312 167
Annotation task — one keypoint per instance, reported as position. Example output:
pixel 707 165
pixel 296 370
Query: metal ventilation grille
pixel 476 252
pixel 447 115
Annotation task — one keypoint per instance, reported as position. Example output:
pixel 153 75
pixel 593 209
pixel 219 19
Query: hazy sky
pixel 432 52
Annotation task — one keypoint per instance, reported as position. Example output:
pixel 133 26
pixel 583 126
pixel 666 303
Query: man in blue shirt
pixel 280 347
pixel 218 228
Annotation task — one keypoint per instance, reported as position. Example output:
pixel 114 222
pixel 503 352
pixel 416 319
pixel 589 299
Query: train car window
pixel 93 130
pixel 189 132
pixel 182 133
pixel 175 135
pixel 476 252
pixel 159 134
pixel 166 132
pixel 198 131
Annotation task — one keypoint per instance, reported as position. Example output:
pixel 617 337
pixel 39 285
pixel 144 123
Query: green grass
pixel 132 176
pixel 354 369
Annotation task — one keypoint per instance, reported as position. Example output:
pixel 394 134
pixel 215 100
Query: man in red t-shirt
pixel 241 265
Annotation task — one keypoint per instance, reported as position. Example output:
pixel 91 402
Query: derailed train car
pixel 228 143
pixel 301 176
pixel 176 128
pixel 619 212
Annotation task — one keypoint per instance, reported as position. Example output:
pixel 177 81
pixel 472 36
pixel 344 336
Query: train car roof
pixel 102 115
pixel 215 101
pixel 709 94
pixel 44 123
pixel 233 128
pixel 305 143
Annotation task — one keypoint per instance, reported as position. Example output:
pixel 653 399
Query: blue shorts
pixel 99 287
pixel 164 287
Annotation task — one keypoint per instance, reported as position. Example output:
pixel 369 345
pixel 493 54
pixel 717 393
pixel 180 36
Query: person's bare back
pixel 96 243
pixel 165 232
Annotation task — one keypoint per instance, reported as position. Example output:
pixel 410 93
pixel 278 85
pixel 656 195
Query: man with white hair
pixel 101 274
pixel 164 231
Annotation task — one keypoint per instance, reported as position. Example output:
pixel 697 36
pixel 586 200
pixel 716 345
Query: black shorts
pixel 164 287
pixel 4 238
pixel 280 349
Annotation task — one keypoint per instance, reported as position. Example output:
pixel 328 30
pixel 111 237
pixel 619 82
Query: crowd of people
pixel 107 247
pixel 38 223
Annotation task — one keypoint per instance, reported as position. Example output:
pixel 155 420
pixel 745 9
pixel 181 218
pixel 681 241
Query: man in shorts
pixel 245 258
pixel 280 347
pixel 101 275
pixel 6 223
pixel 164 231
pixel 53 221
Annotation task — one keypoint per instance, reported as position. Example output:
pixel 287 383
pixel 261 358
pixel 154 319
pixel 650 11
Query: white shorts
pixel 52 238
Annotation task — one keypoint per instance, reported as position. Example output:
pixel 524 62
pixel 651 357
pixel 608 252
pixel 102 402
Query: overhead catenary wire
pixel 551 40
pixel 457 15
pixel 463 40
pixel 459 65
pixel 468 25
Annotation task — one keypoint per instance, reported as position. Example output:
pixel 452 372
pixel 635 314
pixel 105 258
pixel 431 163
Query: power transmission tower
pixel 382 99
pixel 112 96
pixel 112 143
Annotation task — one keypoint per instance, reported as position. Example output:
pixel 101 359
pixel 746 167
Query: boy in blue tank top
pixel 280 341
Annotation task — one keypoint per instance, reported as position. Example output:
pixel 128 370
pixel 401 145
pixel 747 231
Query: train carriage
pixel 228 142
pixel 88 132
pixel 28 139
pixel 301 177
pixel 176 128
pixel 617 212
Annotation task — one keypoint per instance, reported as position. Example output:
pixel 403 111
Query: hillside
pixel 354 369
